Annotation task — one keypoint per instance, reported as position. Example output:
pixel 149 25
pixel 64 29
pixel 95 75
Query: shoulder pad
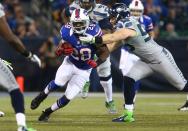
pixel 94 30
pixel 65 31
pixel 146 17
pixel 101 10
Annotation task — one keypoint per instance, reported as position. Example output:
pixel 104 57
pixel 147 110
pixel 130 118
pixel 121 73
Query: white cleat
pixel 184 107
pixel 2 114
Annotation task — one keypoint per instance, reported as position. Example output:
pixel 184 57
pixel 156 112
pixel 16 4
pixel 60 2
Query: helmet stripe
pixel 77 13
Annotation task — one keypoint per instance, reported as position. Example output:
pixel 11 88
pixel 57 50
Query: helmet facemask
pixel 79 21
pixel 136 8
pixel 79 27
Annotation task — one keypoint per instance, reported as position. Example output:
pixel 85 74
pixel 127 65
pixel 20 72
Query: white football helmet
pixel 79 21
pixel 136 8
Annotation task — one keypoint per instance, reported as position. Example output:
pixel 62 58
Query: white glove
pixel 87 39
pixel 34 58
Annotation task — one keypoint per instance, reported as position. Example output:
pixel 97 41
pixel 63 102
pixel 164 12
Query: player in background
pixel 98 13
pixel 77 65
pixel 127 59
pixel 7 79
pixel 153 57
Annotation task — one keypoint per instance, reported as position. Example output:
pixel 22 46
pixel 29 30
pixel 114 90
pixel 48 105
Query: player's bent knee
pixel 72 91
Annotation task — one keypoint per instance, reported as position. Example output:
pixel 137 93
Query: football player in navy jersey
pixel 99 14
pixel 77 65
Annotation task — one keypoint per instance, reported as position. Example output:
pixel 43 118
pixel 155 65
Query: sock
pixel 129 91
pixel 136 88
pixel 20 118
pixel 106 83
pixel 51 87
pixel 129 107
pixel 63 101
pixel 17 101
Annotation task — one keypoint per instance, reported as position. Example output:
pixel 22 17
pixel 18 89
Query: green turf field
pixel 154 112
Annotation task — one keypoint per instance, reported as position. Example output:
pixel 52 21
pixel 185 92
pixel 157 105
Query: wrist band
pixel 26 53
pixel 98 40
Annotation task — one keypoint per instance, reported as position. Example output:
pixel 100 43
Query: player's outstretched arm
pixel 121 34
pixel 15 42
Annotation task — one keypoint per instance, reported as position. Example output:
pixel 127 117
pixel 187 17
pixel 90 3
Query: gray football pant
pixel 165 67
pixel 7 79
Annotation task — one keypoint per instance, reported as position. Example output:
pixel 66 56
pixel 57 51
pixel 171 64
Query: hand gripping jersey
pixel 142 45
pixel 81 52
pixel 2 13
pixel 98 15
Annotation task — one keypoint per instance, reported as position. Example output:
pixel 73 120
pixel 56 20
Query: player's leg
pixel 127 60
pixel 63 74
pixel 172 73
pixel 74 86
pixel 168 68
pixel 104 72
pixel 8 81
pixel 139 71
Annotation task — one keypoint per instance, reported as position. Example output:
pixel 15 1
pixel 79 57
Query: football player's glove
pixel 92 63
pixel 91 39
pixel 34 58
pixel 65 49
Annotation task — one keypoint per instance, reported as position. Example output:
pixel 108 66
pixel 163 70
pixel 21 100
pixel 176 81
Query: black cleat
pixel 44 116
pixel 37 100
pixel 184 107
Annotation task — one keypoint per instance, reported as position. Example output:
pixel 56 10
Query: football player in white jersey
pixel 98 13
pixel 7 79
pixel 153 57
pixel 127 59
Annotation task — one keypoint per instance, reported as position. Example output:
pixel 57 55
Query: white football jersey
pixel 2 13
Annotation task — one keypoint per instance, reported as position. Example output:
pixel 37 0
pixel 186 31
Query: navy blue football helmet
pixel 119 11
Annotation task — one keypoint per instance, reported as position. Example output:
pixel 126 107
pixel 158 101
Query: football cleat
pixel 85 90
pixel 2 114
pixel 184 107
pixel 111 107
pixel 126 117
pixel 37 100
pixel 44 116
pixel 23 128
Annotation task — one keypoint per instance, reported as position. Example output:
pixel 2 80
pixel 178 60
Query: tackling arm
pixel 13 40
pixel 120 34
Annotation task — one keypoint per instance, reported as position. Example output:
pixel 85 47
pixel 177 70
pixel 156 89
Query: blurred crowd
pixel 44 18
